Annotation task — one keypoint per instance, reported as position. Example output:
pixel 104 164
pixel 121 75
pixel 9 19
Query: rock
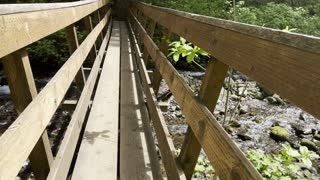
pixel 234 123
pixel 271 100
pixel 243 136
pixel 302 116
pixel 294 141
pixel 234 97
pixel 309 144
pixel 279 133
pixel 275 100
pixel 179 114
pixel 259 119
pixel 244 109
pixel 299 129
pixel 317 137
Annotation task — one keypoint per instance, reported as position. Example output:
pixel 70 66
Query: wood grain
pixel 21 29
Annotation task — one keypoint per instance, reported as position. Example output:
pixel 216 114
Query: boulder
pixel 279 133
pixel 309 144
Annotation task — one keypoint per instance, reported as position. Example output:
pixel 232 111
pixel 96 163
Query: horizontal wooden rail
pixel 61 164
pixel 23 134
pixel 166 146
pixel 21 29
pixel 227 159
pixel 283 62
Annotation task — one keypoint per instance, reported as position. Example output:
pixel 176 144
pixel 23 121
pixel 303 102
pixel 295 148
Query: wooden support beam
pixel 151 28
pixel 209 94
pixel 164 45
pixel 73 44
pixel 227 159
pixel 23 90
pixel 88 27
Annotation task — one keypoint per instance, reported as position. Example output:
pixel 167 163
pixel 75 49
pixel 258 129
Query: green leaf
pixel 190 57
pixel 176 57
pixel 307 162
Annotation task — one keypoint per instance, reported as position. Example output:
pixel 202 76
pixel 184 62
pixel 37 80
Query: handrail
pixel 284 62
pixel 20 29
pixel 22 137
pixel 6 9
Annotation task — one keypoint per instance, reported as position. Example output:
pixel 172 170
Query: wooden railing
pixel 21 25
pixel 286 63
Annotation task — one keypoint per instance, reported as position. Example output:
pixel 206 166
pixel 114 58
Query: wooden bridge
pixel 110 133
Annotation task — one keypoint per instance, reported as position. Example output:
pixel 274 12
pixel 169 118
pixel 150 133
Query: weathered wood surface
pixel 208 94
pixel 21 29
pixel 98 153
pixel 166 146
pixel 300 41
pixel 61 164
pixel 228 160
pixel 28 127
pixel 283 62
pixel 23 90
pixel 23 8
pixel 138 160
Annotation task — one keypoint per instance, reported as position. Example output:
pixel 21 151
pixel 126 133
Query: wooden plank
pixel 135 160
pixel 23 90
pixel 69 105
pixel 164 45
pixel 271 57
pixel 227 159
pixel 98 153
pixel 60 167
pixel 73 44
pixel 26 28
pixel 166 146
pixel 23 8
pixel 209 94
pixel 28 127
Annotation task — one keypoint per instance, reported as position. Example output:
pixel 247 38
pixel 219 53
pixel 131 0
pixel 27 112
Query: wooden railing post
pixel 23 89
pixel 89 27
pixel 145 55
pixel 209 94
pixel 99 19
pixel 164 45
pixel 73 44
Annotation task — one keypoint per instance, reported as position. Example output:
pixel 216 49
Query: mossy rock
pixel 279 133
pixel 317 137
pixel 309 144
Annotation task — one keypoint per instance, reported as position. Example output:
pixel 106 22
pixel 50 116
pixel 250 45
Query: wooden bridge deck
pixel 110 132
pixel 117 137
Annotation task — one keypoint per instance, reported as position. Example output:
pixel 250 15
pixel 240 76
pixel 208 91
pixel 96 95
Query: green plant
pixel 286 165
pixel 203 168
pixel 184 49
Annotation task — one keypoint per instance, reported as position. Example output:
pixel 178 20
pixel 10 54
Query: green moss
pixel 279 133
